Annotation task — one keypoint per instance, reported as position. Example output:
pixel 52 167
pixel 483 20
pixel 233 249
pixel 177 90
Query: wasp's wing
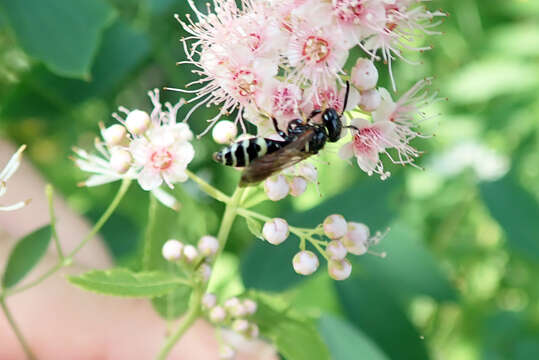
pixel 281 159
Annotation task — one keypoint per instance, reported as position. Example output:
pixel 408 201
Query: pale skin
pixel 60 321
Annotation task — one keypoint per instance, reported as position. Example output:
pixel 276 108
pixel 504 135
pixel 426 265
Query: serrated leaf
pixel 346 342
pixel 517 212
pixel 64 34
pixel 124 283
pixel 25 255
pixel 254 227
pixel 174 304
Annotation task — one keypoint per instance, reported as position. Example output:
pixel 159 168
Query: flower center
pixel 315 49
pixel 284 101
pixel 348 10
pixel 254 41
pixel 245 82
pixel 161 159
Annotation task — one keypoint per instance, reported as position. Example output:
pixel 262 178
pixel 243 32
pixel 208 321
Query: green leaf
pixel 25 255
pixel 254 227
pixel 124 283
pixel 64 34
pixel 409 268
pixel 345 342
pixel 517 212
pixel 373 308
pixel 295 338
pixel 174 304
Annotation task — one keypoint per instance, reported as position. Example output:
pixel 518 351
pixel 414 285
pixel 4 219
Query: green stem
pixel 189 319
pixel 49 192
pixel 16 330
pixel 146 256
pixel 69 258
pixel 231 210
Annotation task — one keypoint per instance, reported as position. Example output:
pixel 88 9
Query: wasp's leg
pixel 279 131
pixel 314 113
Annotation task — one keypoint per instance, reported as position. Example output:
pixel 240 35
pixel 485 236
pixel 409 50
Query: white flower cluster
pixel 344 238
pixel 233 314
pixel 286 58
pixel 8 171
pixel 152 148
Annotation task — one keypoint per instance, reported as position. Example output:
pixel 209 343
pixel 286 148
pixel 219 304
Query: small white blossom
pixel 298 185
pixel 336 250
pixel 364 74
pixel 335 226
pixel 250 306
pixel 276 187
pixel 137 122
pixel 240 325
pixel 190 253
pixel 114 134
pixel 356 239
pixel 10 168
pixel 339 269
pixel 305 262
pixel 120 160
pixel 224 132
pixel 217 314
pixel 205 272
pixel 208 245
pixel 172 250
pixel 275 231
pixel 370 100
pixel 209 300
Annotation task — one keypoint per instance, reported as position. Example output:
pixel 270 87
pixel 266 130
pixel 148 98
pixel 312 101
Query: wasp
pixel 263 157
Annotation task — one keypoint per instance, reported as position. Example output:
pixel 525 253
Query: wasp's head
pixel 332 122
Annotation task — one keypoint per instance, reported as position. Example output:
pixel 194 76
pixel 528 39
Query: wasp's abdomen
pixel 242 153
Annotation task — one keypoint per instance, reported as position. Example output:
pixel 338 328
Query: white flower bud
pixel 298 185
pixel 275 231
pixel 209 300
pixel 336 250
pixel 308 171
pixel 335 226
pixel 356 238
pixel 114 134
pixel 238 311
pixel 172 250
pixel 305 262
pixel 370 100
pixel 137 122
pixel 226 352
pixel 208 245
pixel 276 187
pixel 250 306
pixel 364 74
pixel 224 132
pixel 205 272
pixel 240 325
pixel 217 314
pixel 254 331
pixel 120 160
pixel 232 302
pixel 339 270
pixel 190 253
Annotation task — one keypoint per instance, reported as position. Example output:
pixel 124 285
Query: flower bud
pixel 209 300
pixel 240 325
pixel 208 245
pixel 254 331
pixel 205 272
pixel 308 171
pixel 298 185
pixel 114 134
pixel 224 132
pixel 217 314
pixel 250 306
pixel 339 270
pixel 305 262
pixel 232 302
pixel 356 238
pixel 275 231
pixel 364 74
pixel 276 187
pixel 172 250
pixel 370 100
pixel 190 253
pixel 336 250
pixel 120 160
pixel 226 352
pixel 137 122
pixel 335 226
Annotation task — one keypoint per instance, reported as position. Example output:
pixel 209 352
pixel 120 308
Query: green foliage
pixel 25 255
pixel 255 228
pixel 125 283
pixel 63 34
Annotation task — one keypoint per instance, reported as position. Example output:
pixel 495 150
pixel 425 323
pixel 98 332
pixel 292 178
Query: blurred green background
pixel 460 279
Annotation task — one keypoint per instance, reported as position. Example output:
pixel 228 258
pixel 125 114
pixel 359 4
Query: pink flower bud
pixel 275 231
pixel 208 245
pixel 190 253
pixel 336 250
pixel 238 311
pixel 114 134
pixel 356 238
pixel 232 302
pixel 298 185
pixel 172 250
pixel 224 132
pixel 305 262
pixel 250 306
pixel 226 352
pixel 209 300
pixel 217 314
pixel 370 100
pixel 276 187
pixel 339 270
pixel 240 325
pixel 120 160
pixel 335 226
pixel 137 122
pixel 308 171
pixel 205 272
pixel 364 74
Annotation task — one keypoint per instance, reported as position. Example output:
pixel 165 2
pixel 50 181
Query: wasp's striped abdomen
pixel 242 153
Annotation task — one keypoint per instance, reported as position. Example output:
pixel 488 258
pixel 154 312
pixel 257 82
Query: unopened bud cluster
pixel 293 181
pixel 234 314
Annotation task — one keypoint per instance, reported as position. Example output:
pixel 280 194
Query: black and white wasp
pixel 263 157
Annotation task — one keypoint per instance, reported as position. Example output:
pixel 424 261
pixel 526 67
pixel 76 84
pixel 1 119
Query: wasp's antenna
pixel 346 97
pixel 351 127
